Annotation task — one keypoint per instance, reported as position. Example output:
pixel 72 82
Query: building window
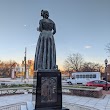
pixel 84 76
pixel 91 76
pixel 77 76
pixel 94 75
pixel 80 76
pixel 87 76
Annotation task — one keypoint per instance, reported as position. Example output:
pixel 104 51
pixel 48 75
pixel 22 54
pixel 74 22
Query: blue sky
pixel 83 26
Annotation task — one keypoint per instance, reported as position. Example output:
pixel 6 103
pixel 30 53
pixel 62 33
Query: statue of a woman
pixel 45 56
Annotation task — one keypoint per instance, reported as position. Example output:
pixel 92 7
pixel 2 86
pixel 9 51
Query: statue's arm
pixel 54 29
pixel 40 26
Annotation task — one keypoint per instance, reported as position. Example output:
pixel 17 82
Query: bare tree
pixel 108 48
pixel 73 62
pixel 91 67
pixel 5 68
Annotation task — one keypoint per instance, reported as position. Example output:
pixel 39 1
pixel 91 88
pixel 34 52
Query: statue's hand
pixel 37 29
pixel 54 32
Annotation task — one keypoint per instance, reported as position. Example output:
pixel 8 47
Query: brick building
pixel 108 72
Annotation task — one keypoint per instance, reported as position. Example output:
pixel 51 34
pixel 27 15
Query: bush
pixel 16 85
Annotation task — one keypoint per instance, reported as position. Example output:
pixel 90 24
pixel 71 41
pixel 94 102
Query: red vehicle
pixel 99 83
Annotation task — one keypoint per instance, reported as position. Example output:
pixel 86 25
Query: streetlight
pixel 25 63
pixel 106 61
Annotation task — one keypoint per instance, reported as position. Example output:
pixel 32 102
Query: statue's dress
pixel 45 56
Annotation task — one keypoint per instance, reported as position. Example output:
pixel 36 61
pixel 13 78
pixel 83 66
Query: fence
pixel 16 106
pixel 67 105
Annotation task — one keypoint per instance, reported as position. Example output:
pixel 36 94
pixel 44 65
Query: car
pixel 99 83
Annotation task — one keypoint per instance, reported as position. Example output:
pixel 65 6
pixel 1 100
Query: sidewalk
pixel 98 103
pixel 68 101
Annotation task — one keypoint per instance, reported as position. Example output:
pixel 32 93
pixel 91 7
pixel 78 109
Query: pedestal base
pixel 52 109
pixel 30 106
pixel 47 90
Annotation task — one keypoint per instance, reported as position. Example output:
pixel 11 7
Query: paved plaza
pixel 68 101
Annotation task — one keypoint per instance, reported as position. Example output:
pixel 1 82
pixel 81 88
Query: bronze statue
pixel 45 56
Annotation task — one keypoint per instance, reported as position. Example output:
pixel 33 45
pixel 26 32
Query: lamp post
pixel 106 61
pixel 25 63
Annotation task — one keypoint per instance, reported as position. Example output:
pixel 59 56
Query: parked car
pixel 99 83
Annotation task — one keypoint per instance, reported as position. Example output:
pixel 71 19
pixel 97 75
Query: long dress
pixel 45 55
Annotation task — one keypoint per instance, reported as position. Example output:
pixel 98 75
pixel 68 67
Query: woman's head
pixel 44 14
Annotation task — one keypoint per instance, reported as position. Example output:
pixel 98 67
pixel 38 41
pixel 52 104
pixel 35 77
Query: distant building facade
pixel 19 70
pixel 108 72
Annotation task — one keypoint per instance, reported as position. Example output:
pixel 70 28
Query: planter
pixel 96 92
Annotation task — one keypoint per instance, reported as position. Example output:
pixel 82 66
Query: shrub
pixel 16 85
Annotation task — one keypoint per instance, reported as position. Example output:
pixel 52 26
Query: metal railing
pixel 16 106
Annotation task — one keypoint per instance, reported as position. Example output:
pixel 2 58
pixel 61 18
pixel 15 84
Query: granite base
pixel 52 109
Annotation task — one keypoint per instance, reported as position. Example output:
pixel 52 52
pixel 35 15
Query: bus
pixel 83 77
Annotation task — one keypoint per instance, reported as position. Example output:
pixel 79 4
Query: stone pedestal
pixel 47 90
pixel 52 109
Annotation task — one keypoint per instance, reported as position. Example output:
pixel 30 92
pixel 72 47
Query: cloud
pixel 25 25
pixel 87 46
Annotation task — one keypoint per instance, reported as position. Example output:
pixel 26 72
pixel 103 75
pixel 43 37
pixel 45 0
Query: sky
pixel 83 26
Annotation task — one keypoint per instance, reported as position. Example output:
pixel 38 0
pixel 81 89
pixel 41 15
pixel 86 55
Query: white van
pixel 83 77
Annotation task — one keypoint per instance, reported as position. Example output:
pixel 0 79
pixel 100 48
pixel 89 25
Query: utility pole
pixel 25 63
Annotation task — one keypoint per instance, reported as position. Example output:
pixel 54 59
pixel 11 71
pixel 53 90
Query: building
pixel 19 70
pixel 108 72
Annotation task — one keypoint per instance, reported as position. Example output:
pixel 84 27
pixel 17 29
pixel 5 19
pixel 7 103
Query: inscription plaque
pixel 48 89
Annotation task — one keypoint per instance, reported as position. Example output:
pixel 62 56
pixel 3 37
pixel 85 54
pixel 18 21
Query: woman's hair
pixel 44 13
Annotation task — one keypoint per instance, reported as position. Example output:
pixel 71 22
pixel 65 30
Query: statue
pixel 45 56
pixel 47 87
